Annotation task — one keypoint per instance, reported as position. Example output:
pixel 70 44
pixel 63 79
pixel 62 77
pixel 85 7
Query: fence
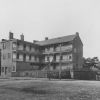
pixel 82 75
pixel 42 74
pixel 34 74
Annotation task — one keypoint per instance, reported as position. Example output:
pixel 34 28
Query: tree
pixel 89 63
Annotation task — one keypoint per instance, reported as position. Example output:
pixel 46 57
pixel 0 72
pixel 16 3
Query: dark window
pixel 24 57
pixel 47 58
pixel 17 56
pixel 24 46
pixel 61 57
pixel 17 44
pixel 30 47
pixel 70 57
pixel 30 57
pixel 31 64
pixel 35 58
pixel 4 45
pixel 9 55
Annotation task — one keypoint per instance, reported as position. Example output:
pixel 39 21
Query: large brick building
pixel 64 53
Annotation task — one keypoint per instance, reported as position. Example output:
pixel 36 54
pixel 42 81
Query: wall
pixel 78 53
pixel 26 66
pixel 6 59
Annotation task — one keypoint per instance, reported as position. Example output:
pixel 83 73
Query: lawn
pixel 49 90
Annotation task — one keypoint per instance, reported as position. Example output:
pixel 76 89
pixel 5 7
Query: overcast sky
pixel 38 19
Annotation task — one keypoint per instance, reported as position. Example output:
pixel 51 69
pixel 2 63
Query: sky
pixel 38 19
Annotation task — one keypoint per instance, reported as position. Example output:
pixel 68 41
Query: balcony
pixel 57 51
pixel 26 52
pixel 15 59
pixel 57 61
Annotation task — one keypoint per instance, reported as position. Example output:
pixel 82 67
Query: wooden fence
pixel 34 74
pixel 81 75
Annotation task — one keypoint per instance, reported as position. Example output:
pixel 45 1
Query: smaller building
pixel 18 56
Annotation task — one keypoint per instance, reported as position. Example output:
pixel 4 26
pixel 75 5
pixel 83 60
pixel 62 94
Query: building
pixel 18 55
pixel 64 53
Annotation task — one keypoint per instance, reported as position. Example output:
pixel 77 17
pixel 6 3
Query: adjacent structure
pixel 18 55
pixel 64 53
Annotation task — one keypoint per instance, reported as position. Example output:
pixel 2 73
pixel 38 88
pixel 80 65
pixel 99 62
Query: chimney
pixel 10 35
pixel 77 33
pixel 22 37
pixel 34 41
pixel 46 38
pixel 4 40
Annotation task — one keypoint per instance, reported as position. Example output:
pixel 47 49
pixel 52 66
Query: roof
pixel 56 40
pixel 26 42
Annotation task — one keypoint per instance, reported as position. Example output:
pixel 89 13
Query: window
pixel 24 46
pixel 2 69
pixel 30 57
pixel 35 58
pixel 14 45
pixel 70 57
pixel 61 57
pixel 17 56
pixel 48 48
pixel 9 55
pixel 4 45
pixel 47 58
pixel 24 57
pixel 14 56
pixel 30 47
pixel 13 69
pixel 4 56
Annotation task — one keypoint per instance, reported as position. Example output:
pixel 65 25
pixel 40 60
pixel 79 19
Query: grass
pixel 49 90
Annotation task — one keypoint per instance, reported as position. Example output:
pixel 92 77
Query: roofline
pixel 54 38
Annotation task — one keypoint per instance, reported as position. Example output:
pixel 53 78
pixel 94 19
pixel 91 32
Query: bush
pixel 85 75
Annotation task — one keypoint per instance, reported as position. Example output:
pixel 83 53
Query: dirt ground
pixel 49 90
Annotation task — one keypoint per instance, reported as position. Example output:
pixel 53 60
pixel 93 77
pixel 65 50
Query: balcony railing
pixel 15 59
pixel 26 60
pixel 56 61
pixel 57 51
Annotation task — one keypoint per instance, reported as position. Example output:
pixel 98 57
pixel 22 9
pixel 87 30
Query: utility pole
pixel 48 71
pixel 60 63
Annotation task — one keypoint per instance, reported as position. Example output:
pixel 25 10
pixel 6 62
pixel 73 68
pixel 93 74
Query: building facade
pixel 18 55
pixel 64 53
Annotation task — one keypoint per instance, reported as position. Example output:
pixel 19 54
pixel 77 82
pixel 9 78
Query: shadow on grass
pixel 32 90
pixel 35 91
